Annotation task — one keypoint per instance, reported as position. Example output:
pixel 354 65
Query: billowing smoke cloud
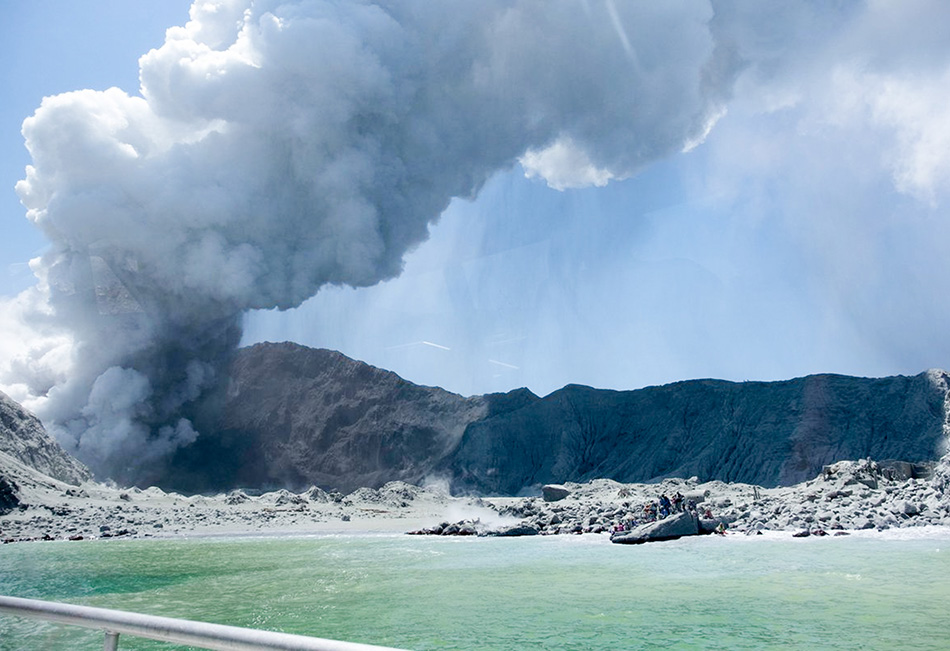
pixel 277 147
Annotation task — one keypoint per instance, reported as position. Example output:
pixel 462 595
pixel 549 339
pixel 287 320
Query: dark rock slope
pixel 765 433
pixel 296 416
pixel 24 438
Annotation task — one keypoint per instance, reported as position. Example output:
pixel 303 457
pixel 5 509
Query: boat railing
pixel 168 629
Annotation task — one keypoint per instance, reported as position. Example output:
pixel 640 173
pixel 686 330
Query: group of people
pixel 659 509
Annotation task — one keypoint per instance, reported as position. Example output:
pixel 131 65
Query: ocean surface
pixel 882 591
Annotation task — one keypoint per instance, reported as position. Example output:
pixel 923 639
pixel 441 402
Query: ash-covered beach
pixel 847 497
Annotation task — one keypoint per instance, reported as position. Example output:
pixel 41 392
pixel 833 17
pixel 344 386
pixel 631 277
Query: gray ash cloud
pixel 277 147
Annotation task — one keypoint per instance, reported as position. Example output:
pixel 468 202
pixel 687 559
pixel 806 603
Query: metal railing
pixel 169 629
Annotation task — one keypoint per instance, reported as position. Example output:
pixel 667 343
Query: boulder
pixel 697 496
pixel 554 492
pixel 862 522
pixel 236 497
pixel 671 528
pixel 896 470
pixel 909 508
pixel 316 494
pixel 516 530
pixel 8 496
pixel 284 497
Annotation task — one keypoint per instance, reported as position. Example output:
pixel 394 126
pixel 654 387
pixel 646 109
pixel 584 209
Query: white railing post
pixel 111 642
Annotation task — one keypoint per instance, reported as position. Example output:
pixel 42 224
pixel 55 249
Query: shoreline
pixel 850 496
pixel 905 534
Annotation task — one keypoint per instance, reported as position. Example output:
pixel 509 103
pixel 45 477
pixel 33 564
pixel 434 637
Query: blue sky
pixel 51 47
pixel 806 234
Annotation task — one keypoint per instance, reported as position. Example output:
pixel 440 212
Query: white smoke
pixel 280 146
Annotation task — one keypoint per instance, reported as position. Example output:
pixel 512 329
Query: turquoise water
pixel 527 593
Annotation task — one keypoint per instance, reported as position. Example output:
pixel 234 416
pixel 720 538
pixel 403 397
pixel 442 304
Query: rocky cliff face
pixel 23 437
pixel 295 416
pixel 766 433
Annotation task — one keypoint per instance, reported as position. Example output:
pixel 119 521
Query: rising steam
pixel 277 147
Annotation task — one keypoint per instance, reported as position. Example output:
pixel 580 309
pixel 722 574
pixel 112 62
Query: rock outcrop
pixel 554 492
pixel 671 528
pixel 24 438
pixel 295 417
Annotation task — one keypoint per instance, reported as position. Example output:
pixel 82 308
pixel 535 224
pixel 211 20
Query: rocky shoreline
pixel 846 496
pixel 849 495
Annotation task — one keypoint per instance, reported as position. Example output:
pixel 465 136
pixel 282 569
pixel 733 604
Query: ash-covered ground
pixel 847 496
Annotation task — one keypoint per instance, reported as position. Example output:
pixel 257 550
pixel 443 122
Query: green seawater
pixel 857 592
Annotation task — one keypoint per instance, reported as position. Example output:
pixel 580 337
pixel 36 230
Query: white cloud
pixel 564 166
pixel 917 111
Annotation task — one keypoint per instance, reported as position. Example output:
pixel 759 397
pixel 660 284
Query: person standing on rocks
pixel 649 511
pixel 665 506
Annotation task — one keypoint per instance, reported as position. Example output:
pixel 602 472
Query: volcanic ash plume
pixel 280 146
